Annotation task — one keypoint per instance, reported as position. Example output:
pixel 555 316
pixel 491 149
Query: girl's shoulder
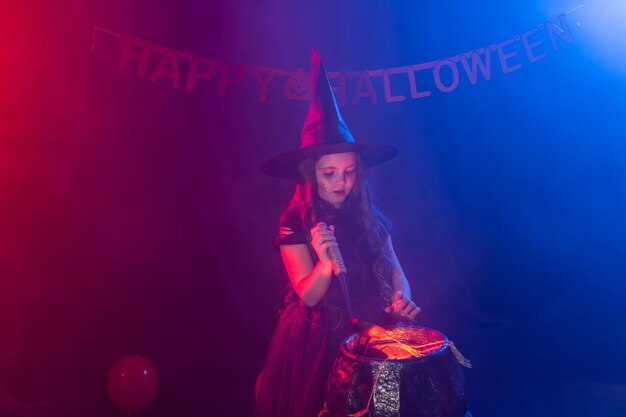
pixel 291 218
pixel 291 229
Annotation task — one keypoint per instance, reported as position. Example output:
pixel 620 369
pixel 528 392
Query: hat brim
pixel 286 165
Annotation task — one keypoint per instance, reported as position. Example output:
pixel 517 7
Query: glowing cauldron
pixel 400 372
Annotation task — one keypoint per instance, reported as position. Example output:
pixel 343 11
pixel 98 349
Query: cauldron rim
pixel 369 359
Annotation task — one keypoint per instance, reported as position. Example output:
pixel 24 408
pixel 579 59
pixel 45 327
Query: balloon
pixel 132 383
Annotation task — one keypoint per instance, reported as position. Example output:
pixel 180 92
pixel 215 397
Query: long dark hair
pixel 306 203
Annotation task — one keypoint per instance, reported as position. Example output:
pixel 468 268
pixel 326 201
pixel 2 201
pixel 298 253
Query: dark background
pixel 134 220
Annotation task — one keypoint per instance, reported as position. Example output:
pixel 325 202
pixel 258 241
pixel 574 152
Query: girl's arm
pixel 310 281
pixel 402 306
pixel 398 279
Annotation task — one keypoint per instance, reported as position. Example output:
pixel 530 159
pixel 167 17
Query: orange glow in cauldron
pixel 403 343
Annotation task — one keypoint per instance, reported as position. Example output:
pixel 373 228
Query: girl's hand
pixel 322 238
pixel 403 308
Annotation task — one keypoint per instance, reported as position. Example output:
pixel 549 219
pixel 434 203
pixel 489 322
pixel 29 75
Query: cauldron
pixel 399 372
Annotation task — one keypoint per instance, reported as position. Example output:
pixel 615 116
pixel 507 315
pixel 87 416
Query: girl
pixel 332 209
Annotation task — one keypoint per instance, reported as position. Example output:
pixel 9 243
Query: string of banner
pixel 417 81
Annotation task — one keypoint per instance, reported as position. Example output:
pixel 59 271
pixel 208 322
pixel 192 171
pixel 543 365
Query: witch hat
pixel 324 132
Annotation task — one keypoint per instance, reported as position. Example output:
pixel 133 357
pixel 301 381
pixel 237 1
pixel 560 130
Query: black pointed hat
pixel 324 132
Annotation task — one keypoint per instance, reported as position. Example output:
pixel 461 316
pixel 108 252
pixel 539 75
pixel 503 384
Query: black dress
pixel 306 339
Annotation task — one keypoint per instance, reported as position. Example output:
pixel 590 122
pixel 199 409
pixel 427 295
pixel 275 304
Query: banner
pixel 412 82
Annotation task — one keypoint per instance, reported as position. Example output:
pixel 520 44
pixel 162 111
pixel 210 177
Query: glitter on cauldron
pixel 400 372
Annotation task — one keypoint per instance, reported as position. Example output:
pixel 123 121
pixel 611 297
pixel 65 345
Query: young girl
pixel 332 209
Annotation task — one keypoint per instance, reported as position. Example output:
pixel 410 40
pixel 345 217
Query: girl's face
pixel 335 174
